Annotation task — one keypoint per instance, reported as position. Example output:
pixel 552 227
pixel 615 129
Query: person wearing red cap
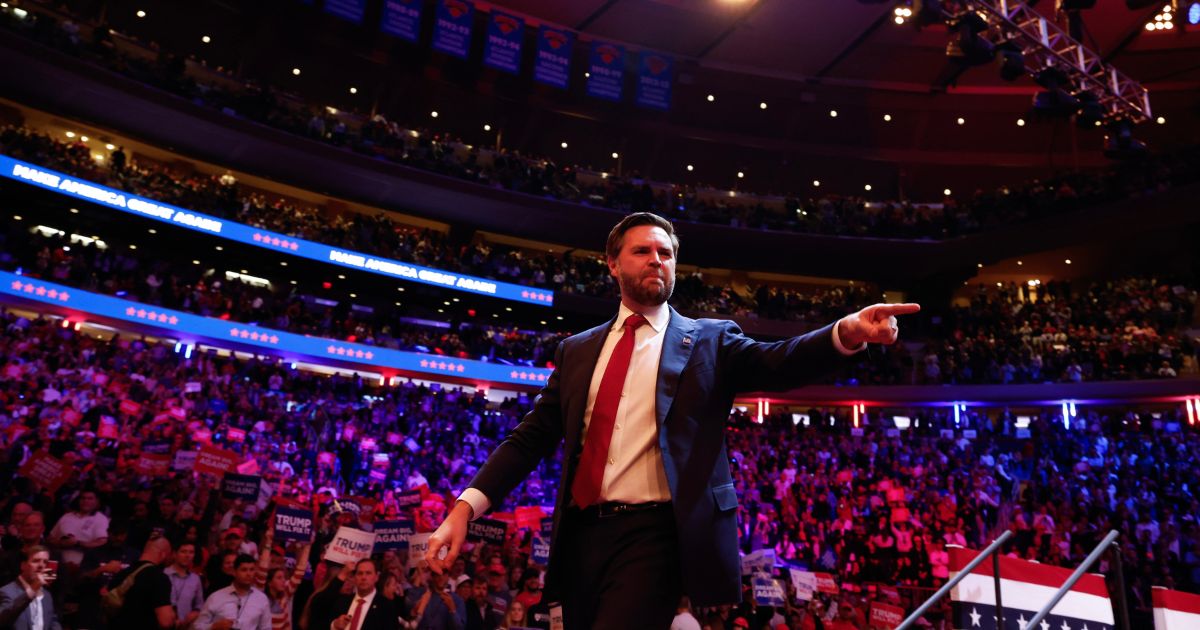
pixel 647 509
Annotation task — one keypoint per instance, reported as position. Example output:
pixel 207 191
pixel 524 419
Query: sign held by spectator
pixel 216 461
pixel 293 524
pixel 392 535
pixel 237 486
pixel 350 545
pixel 488 530
pixel 45 470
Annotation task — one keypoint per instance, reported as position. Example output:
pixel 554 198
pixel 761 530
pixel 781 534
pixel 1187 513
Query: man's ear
pixel 612 266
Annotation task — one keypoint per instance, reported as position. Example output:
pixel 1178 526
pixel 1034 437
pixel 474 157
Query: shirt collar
pixel 656 316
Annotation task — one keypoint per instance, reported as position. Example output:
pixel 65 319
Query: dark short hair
pixel 360 563
pixel 29 551
pixel 241 559
pixel 616 237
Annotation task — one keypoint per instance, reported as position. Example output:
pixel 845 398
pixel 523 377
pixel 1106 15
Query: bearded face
pixel 645 268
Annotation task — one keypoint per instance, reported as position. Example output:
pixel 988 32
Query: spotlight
pixel 1119 143
pixel 1056 100
pixel 1090 109
pixel 1193 13
pixel 1012 61
pixel 966 46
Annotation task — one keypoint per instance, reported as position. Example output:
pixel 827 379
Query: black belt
pixel 615 508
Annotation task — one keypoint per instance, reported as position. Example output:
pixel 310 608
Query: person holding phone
pixel 25 603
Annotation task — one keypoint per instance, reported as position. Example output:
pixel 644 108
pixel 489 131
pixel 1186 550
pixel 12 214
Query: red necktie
pixel 357 613
pixel 590 475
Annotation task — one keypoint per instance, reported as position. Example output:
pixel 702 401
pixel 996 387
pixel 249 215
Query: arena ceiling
pixel 856 43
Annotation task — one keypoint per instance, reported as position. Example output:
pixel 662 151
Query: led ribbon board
pixel 274 241
pixel 188 327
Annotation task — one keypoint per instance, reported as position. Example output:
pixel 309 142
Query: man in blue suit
pixel 25 603
pixel 647 509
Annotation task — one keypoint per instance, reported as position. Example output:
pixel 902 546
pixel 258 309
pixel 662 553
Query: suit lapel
pixel 676 350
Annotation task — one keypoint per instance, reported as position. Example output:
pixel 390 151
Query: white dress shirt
pixel 634 472
pixel 37 618
pixel 366 606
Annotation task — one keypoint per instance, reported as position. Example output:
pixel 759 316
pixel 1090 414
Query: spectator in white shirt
pixel 83 529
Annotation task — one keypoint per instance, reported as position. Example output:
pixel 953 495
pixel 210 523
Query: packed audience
pixel 569 272
pixel 876 510
pixel 143 277
pixel 1122 329
pixel 430 150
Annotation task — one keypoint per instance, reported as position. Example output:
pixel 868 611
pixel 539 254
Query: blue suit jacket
pixel 14 608
pixel 704 364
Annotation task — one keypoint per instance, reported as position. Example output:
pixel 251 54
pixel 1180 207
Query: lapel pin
pixel 687 341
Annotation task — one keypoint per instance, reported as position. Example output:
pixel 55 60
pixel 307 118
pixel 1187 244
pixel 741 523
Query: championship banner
pixel 654 81
pixel 46 471
pixel 350 545
pixel 1025 588
pixel 293 524
pixel 488 530
pixel 606 71
pixel 402 18
pixel 552 64
pixel 350 10
pixel 1175 610
pixel 502 49
pixel 393 535
pixel 237 486
pixel 767 591
pixel 216 461
pixel 885 616
pixel 805 583
pixel 452 28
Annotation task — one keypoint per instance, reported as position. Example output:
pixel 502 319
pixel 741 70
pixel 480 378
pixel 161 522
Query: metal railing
pixel 1079 571
pixel 990 551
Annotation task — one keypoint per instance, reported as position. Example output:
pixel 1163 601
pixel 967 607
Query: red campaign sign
pixel 178 413
pixel 216 461
pixel 46 471
pixel 368 444
pixel 108 430
pixel 885 615
pixel 825 584
pixel 71 417
pixel 530 517
pixel 237 435
pixel 131 408
pixel 153 464
pixel 325 459
pixel 203 436
pixel 248 467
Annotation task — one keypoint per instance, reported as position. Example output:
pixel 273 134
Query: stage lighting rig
pixel 1043 45
pixel 966 45
pixel 1119 143
pixel 1012 61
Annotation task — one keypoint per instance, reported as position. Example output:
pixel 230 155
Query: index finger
pixel 899 309
pixel 435 545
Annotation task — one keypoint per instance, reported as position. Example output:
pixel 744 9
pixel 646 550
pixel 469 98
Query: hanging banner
pixel 402 18
pixel 552 65
pixel 654 80
pixel 452 29
pixel 606 71
pixel 350 10
pixel 393 535
pixel 502 49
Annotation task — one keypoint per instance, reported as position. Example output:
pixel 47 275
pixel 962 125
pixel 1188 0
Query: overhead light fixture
pixel 966 47
pixel 563 145
pixel 762 105
pixel 433 114
pixel 887 118
pixel 833 113
pixel 1012 61
pixel 690 168
pixel 141 14
pixel 711 98
pixel 616 155
pixel 296 72
pixel 1119 143
pixel 1090 111
pixel 206 39
pixel 353 90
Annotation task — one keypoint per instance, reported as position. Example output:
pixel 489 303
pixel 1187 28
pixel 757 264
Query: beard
pixel 635 288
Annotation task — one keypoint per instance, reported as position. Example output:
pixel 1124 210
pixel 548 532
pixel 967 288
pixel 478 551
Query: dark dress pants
pixel 620 571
